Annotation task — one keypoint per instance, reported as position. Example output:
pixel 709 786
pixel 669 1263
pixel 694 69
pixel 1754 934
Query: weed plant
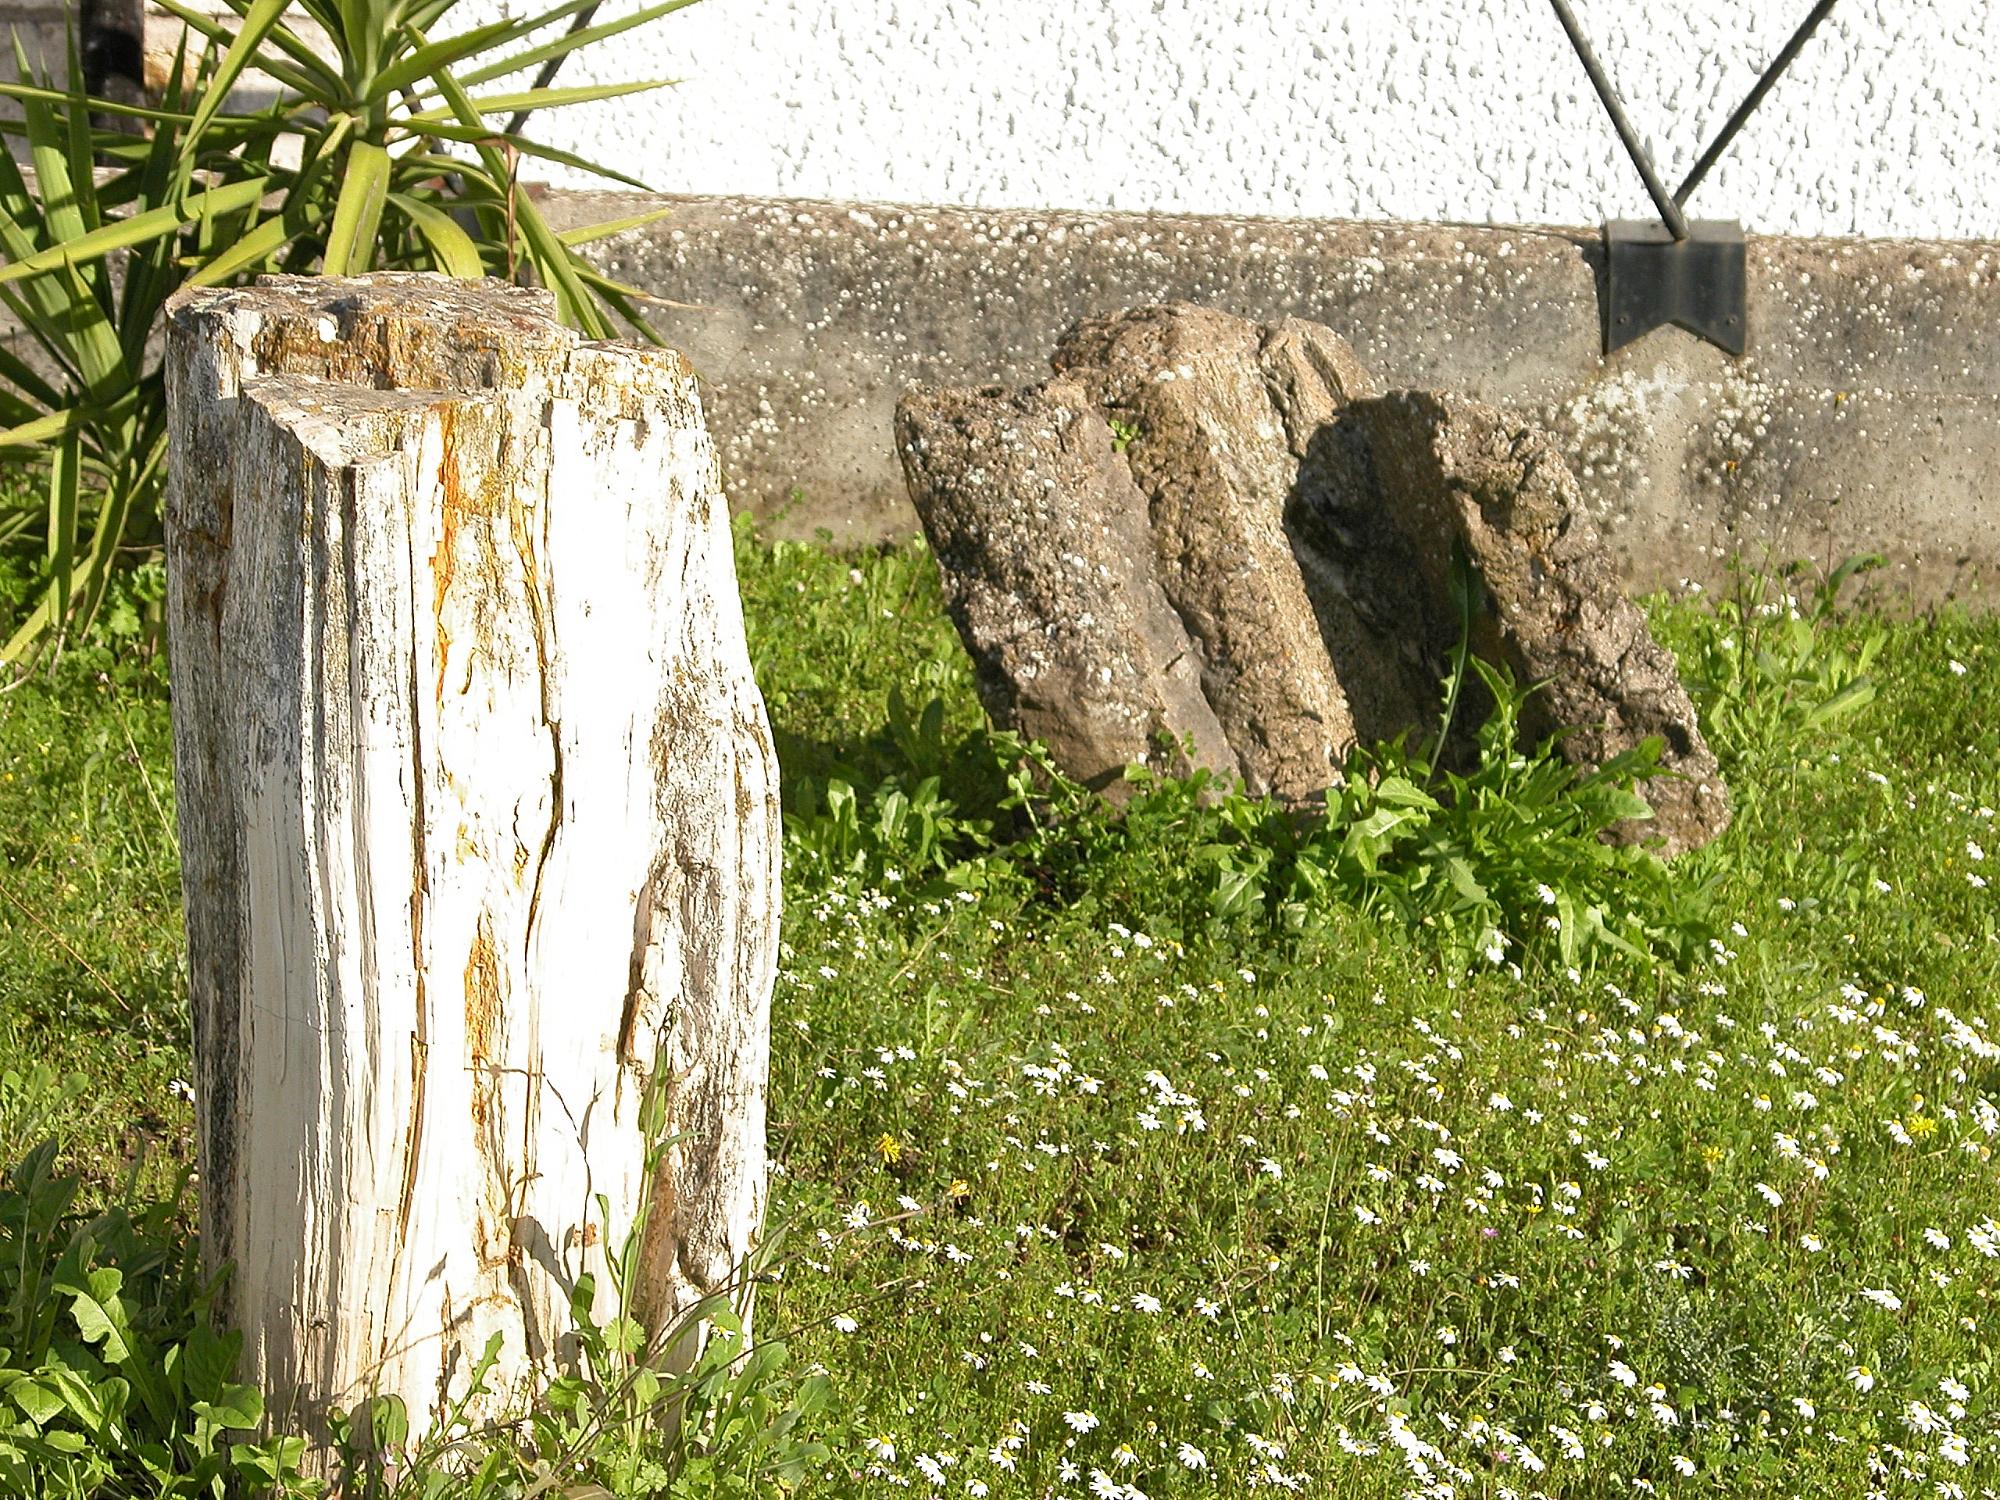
pixel 1206 1151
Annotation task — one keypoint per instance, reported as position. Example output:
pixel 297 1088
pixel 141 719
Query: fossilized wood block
pixel 1210 452
pixel 1042 544
pixel 1458 473
pixel 478 823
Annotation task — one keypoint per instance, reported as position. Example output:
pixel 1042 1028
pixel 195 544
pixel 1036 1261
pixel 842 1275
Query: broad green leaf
pixel 239 1406
pixel 40 1405
pixel 1858 694
pixel 80 1396
pixel 357 213
pixel 1400 791
pixel 1463 880
pixel 206 1360
pixel 1384 820
pixel 1620 805
pixel 449 245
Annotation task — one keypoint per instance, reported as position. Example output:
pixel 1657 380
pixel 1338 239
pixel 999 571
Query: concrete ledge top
pixel 1862 418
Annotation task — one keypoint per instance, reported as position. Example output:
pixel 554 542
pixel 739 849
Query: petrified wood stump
pixel 479 828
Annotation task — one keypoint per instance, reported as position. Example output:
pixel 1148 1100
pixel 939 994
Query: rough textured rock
pixel 1209 449
pixel 1042 541
pixel 1455 473
pixel 1302 528
pixel 479 830
pixel 1383 632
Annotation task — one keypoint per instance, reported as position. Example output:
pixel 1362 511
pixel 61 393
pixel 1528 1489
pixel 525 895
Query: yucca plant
pixel 378 152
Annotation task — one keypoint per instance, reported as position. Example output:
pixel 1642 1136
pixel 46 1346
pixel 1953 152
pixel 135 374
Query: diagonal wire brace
pixel 1694 274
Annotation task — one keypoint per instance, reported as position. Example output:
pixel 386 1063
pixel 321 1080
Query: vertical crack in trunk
pixel 538 608
pixel 419 890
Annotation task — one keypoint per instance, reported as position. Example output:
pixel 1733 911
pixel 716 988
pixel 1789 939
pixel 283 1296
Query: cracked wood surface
pixel 479 828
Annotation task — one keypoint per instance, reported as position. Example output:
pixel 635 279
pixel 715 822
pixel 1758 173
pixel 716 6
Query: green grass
pixel 1095 1179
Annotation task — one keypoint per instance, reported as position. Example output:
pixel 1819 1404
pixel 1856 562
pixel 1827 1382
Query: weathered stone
pixel 1208 446
pixel 1042 542
pixel 1303 528
pixel 1383 631
pixel 1458 474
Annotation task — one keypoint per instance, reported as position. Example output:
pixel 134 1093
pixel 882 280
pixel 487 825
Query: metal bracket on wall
pixel 1698 283
pixel 1689 273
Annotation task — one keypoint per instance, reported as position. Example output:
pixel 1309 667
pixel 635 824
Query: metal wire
pixel 1670 210
pixel 1743 111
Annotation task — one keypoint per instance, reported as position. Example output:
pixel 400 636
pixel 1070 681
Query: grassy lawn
pixel 1109 1165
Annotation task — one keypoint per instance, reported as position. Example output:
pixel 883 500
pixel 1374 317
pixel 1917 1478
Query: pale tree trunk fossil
pixel 479 830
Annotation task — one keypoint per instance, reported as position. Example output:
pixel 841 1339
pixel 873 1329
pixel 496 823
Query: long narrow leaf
pixel 76 299
pixel 33 434
pixel 64 462
pixel 21 92
pixel 29 635
pixel 122 497
pixel 78 137
pixel 585 234
pixel 587 93
pixel 24 378
pixel 246 255
pixel 419 64
pixel 139 229
pixel 305 75
pixel 568 42
pixel 450 132
pixel 556 264
pixel 48 336
pixel 150 275
pixel 552 259
pixel 248 42
pixel 429 13
pixel 624 300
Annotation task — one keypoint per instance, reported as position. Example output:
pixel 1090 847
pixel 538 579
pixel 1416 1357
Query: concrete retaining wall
pixel 1865 417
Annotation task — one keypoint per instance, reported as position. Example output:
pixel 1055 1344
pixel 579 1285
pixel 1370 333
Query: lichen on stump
pixel 479 829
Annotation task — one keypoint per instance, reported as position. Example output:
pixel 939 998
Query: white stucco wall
pixel 1469 110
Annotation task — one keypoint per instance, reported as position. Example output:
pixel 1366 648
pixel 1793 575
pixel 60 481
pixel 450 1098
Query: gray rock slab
pixel 1460 478
pixel 1042 542
pixel 1207 446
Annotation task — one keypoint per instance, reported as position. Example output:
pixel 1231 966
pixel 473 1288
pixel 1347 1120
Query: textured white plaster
pixel 1458 110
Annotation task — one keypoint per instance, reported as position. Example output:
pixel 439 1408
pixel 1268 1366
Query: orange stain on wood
pixel 482 1041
